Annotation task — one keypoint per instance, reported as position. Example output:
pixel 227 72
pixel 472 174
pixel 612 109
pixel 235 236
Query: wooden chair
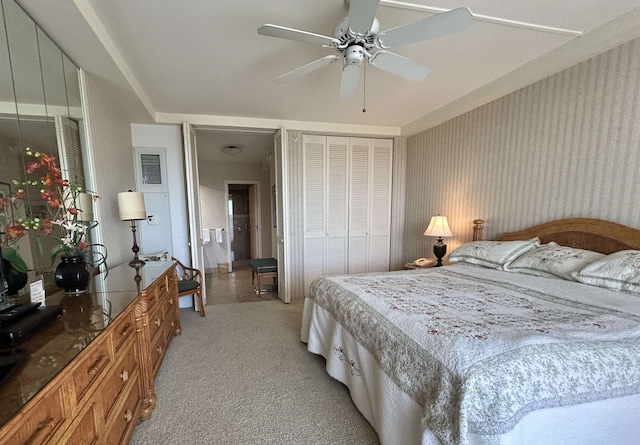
pixel 190 283
pixel 262 268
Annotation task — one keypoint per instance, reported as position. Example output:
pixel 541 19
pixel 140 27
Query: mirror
pixel 40 108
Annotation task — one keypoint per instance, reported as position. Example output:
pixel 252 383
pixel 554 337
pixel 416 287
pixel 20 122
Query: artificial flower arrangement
pixel 64 222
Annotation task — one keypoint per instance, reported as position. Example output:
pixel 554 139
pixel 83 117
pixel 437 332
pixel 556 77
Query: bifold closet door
pixel 314 207
pixel 380 205
pixel 337 205
pixel 369 204
pixel 359 197
pixel 347 205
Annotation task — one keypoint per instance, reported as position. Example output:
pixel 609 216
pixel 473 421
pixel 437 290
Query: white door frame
pixel 258 202
pixel 190 150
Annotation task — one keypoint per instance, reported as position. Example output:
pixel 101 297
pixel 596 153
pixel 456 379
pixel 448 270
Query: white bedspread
pixel 477 349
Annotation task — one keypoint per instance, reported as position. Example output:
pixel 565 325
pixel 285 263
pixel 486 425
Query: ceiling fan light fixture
pixel 353 55
pixel 231 150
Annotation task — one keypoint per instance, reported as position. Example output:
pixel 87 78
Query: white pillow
pixel 553 261
pixel 494 254
pixel 618 271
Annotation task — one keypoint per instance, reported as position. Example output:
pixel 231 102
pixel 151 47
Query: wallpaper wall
pixel 567 146
pixel 111 162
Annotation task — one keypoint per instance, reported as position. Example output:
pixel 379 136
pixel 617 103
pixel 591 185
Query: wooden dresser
pixel 89 376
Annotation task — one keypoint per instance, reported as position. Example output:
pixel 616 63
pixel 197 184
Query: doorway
pixel 239 220
pixel 243 215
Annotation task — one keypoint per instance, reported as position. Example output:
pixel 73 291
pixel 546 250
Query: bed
pixel 470 353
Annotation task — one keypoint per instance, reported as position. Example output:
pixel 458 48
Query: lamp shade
pixel 439 227
pixel 131 206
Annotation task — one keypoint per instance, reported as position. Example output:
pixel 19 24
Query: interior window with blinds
pixel 70 150
pixel 150 165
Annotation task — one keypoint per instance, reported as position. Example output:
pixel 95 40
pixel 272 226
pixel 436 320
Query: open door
pixel 281 219
pixel 193 202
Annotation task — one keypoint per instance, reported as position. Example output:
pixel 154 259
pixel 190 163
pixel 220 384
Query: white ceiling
pixel 168 59
pixel 255 145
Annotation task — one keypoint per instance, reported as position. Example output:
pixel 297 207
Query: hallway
pixel 234 287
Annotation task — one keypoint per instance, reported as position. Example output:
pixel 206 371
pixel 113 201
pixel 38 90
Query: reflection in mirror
pixel 39 109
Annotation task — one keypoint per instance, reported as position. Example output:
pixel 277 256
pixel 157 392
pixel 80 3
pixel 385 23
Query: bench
pixel 262 268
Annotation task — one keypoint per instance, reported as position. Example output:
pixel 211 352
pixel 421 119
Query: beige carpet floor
pixel 242 376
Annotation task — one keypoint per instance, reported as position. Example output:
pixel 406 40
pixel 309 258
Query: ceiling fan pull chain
pixel 364 88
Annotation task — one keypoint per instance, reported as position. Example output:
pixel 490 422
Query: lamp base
pixel 136 262
pixel 439 250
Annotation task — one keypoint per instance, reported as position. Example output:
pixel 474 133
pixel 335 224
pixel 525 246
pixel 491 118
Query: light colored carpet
pixel 241 376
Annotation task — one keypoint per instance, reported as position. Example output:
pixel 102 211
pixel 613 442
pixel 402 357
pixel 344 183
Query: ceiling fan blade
pixel 398 65
pixel 306 69
pixel 349 82
pixel 361 15
pixel 437 25
pixel 297 35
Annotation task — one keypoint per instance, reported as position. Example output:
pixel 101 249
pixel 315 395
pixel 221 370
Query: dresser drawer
pixel 156 323
pixel 124 328
pixel 91 368
pixel 170 325
pixel 85 432
pixel 163 287
pixel 169 304
pixel 40 422
pixel 126 418
pixel 157 353
pixel 123 375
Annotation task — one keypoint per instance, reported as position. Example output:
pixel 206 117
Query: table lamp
pixel 131 207
pixel 439 227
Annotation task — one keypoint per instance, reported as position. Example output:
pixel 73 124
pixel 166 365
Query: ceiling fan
pixel 358 36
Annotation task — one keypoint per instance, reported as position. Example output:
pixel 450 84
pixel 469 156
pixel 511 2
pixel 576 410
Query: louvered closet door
pixel 359 198
pixel 314 207
pixel 337 205
pixel 380 205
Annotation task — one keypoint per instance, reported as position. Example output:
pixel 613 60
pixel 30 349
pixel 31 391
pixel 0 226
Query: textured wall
pixel 396 256
pixel 110 159
pixel 567 146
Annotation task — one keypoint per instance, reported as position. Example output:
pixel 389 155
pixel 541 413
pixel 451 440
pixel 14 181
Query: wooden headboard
pixel 582 233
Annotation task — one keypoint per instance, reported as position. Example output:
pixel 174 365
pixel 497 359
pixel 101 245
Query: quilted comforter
pixel 477 352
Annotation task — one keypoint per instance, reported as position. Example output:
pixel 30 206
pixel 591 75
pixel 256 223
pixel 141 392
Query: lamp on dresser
pixel 439 227
pixel 131 207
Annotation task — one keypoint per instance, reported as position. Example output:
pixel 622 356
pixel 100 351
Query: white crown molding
pixel 274 124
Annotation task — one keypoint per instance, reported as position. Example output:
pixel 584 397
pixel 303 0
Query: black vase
pixel 72 274
pixel 16 280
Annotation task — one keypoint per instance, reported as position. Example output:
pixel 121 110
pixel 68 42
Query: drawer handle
pixel 128 415
pixel 93 369
pixel 159 349
pixel 44 429
pixel 173 323
pixel 126 331
pixel 158 322
pixel 170 301
pixel 124 375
